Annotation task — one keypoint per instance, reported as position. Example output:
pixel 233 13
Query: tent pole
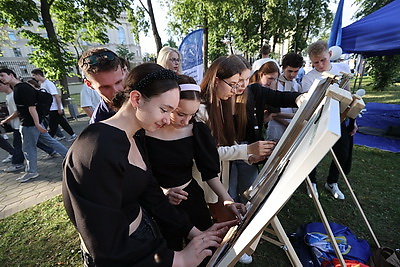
pixel 362 72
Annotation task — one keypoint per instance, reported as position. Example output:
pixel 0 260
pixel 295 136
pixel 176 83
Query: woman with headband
pixel 172 151
pixel 109 192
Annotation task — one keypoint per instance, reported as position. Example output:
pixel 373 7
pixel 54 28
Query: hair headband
pixel 154 76
pixel 189 87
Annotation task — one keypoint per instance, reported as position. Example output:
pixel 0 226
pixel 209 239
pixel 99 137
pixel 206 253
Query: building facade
pixel 14 54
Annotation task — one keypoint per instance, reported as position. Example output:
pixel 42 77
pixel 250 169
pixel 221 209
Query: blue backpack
pixel 349 245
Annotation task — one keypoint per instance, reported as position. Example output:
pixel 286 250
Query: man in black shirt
pixel 25 97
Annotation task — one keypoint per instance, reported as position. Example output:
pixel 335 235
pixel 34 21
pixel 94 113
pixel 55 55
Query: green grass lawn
pixel 43 236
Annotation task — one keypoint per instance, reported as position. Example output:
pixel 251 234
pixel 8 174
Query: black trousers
pixel 147 230
pixel 343 150
pixel 56 119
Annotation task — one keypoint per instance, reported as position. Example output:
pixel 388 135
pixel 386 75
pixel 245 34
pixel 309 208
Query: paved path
pixel 15 196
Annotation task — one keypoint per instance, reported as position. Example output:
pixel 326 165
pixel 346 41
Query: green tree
pixel 64 22
pixel 4 40
pixel 383 69
pixel 242 26
pixel 137 17
pixel 189 15
pixel 123 51
pixel 311 19
pixel 171 43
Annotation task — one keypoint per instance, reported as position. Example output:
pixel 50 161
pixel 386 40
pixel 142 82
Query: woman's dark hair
pixel 150 79
pixel 191 94
pixel 34 83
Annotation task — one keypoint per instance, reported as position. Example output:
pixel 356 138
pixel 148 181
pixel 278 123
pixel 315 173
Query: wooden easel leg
pixel 325 222
pixel 354 197
pixel 283 242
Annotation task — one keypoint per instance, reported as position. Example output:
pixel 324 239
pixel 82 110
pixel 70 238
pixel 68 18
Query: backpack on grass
pixel 44 101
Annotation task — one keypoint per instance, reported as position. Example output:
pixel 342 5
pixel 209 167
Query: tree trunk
pixel 156 35
pixel 205 45
pixel 51 34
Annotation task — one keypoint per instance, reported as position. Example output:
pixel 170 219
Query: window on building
pixel 12 36
pixel 121 35
pixel 23 70
pixel 17 52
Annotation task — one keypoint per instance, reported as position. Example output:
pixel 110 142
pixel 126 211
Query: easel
pixel 312 132
pixel 348 108
pixel 283 241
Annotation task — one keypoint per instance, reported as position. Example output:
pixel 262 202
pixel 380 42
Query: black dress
pixel 172 161
pixel 103 193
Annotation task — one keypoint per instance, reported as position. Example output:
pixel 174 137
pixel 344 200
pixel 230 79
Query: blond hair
pixel 317 48
pixel 163 57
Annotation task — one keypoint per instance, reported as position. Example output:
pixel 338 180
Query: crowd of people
pixel 159 174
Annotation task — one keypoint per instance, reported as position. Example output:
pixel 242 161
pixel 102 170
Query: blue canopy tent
pixel 377 34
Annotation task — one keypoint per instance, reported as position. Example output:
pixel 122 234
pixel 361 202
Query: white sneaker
pixel 14 168
pixel 334 190
pixel 246 259
pixel 72 138
pixel 59 138
pixel 27 176
pixel 314 186
pixel 8 159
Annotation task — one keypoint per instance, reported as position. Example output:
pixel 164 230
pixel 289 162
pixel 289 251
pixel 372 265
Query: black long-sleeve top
pixel 103 193
pixel 258 98
pixel 172 160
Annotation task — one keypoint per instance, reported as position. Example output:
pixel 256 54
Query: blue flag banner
pixel 335 38
pixel 191 50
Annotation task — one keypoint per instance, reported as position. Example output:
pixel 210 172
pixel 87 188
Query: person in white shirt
pixel 264 51
pixel 90 99
pixel 56 115
pixel 320 58
pixel 291 64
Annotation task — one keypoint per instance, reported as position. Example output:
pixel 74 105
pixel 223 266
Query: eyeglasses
pixel 97 58
pixel 234 87
pixel 175 59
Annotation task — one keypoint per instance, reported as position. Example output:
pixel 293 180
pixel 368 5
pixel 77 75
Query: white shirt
pixel 310 76
pixel 89 97
pixel 15 123
pixel 51 88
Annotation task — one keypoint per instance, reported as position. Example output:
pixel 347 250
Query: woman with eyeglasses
pixel 173 150
pixel 109 192
pixel 249 105
pixel 170 59
pixel 219 84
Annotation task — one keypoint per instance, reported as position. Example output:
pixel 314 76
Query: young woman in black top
pixel 172 151
pixel 109 191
